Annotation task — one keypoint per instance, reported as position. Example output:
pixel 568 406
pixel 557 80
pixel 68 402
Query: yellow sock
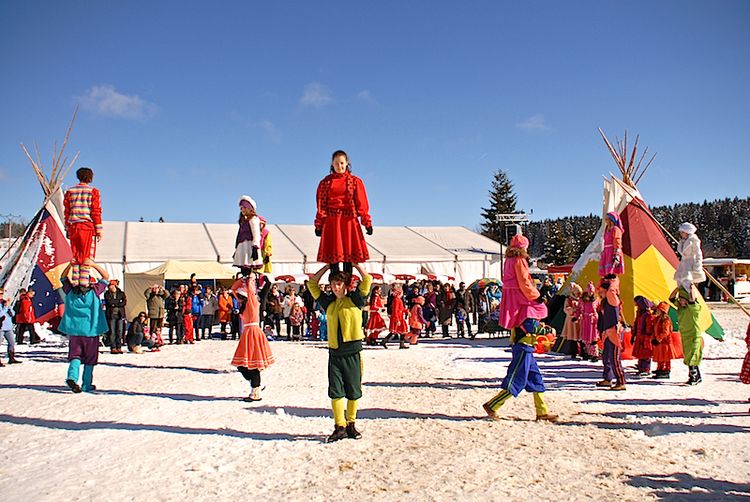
pixel 351 411
pixel 539 404
pixel 496 402
pixel 339 418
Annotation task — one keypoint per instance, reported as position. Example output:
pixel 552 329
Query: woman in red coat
pixel 342 205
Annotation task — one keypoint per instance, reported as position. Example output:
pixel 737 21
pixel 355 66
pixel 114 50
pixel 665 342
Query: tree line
pixel 723 225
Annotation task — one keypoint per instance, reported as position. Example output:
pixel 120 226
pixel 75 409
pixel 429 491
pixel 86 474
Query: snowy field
pixel 170 426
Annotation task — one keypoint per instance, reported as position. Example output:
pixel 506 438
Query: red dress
pixel 375 323
pixel 187 319
pixel 665 351
pixel 397 323
pixel 643 330
pixel 342 201
pixel 745 373
pixel 253 350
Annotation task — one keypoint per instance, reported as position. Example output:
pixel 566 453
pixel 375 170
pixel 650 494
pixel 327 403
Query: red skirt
pixel 745 373
pixel 342 241
pixel 642 348
pixel 376 322
pixel 253 351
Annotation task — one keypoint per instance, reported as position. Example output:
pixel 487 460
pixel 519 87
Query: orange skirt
pixel 253 350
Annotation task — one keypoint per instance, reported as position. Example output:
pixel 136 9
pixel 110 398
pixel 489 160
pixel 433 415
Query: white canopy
pixel 134 247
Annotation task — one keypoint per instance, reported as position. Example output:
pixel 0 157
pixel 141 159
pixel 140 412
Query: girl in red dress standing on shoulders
pixel 342 206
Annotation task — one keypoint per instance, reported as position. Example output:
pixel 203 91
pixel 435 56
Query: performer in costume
pixel 397 325
pixel 642 332
pixel 610 330
pixel 663 351
pixel 375 323
pixel 572 328
pixel 247 245
pixel 745 372
pixel 253 353
pixel 416 320
pixel 688 312
pixel 611 260
pixel 344 319
pixel 266 246
pixel 83 224
pixel 83 321
pixel 341 202
pixel 588 318
pixel 690 270
pixel 520 311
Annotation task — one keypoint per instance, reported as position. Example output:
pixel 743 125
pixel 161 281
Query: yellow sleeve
pixel 314 288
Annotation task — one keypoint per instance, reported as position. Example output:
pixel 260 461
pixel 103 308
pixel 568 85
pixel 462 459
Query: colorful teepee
pixel 650 261
pixel 36 259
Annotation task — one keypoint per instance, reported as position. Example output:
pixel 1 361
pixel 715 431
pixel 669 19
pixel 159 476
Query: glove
pixel 616 260
pixel 632 339
pixel 654 341
pixel 368 230
pixel 254 254
pixel 267 259
pixel 540 300
pixel 318 232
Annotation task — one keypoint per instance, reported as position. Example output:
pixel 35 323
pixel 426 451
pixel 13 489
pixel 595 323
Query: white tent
pixel 133 247
pixel 135 284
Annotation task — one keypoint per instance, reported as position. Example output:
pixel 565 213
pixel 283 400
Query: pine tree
pixel 502 201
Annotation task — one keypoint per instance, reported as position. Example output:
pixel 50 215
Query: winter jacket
pixel 114 304
pixel 174 307
pixel 25 314
pixel 6 316
pixel 210 304
pixel 196 305
pixel 155 302
pixel 691 261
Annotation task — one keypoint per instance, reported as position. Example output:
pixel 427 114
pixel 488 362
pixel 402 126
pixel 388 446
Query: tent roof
pixel 176 270
pixel 158 242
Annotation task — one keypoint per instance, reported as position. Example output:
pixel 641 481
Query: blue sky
pixel 187 105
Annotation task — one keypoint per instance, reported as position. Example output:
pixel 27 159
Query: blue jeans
pixel 8 334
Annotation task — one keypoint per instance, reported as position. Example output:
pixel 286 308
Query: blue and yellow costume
pixel 523 371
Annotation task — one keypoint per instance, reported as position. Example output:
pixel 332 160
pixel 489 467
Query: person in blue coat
pixel 83 321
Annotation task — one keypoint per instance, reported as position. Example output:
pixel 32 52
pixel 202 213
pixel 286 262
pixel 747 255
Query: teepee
pixel 37 258
pixel 650 262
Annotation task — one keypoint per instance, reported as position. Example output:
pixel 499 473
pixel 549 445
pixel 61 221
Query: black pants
pixel 207 323
pixel 23 328
pixel 180 331
pixel 235 326
pixel 252 376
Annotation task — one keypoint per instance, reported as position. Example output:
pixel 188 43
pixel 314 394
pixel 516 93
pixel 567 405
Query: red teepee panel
pixel 641 232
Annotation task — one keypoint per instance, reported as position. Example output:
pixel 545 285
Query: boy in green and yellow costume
pixel 343 310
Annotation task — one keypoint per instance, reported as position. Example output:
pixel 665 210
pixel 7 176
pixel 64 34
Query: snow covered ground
pixel 170 426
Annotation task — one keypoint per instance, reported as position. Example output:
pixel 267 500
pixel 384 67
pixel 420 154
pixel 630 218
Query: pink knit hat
pixel 519 241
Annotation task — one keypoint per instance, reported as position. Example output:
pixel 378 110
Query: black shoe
pixel 73 386
pixel 352 432
pixel 339 432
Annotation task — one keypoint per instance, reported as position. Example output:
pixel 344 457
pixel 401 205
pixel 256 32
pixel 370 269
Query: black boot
pixel 385 340
pixel 352 432
pixel 12 358
pixel 692 377
pixel 339 432
pixel 402 343
pixel 697 378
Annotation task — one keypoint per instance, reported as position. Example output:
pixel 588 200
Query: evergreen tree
pixel 502 201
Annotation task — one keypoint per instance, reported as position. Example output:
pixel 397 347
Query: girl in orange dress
pixel 253 353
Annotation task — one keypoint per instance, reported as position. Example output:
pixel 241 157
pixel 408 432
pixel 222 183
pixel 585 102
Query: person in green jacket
pixel 688 313
pixel 343 310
